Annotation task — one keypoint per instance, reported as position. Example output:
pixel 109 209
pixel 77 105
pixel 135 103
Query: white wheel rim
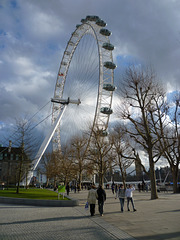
pixel 104 98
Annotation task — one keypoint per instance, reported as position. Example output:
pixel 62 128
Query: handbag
pixel 86 206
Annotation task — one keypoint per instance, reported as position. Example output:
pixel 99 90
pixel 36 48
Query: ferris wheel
pixel 84 87
pixel 85 82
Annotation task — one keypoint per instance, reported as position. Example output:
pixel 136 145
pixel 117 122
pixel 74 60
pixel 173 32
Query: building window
pixel 12 156
pixel 17 157
pixel 1 156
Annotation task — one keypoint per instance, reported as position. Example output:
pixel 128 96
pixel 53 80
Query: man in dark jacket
pixel 101 198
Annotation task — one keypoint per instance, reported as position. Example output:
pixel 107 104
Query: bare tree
pixel 78 153
pixel 99 153
pixel 51 165
pixel 58 166
pixel 122 151
pixel 140 92
pixel 46 167
pixel 168 134
pixel 67 168
pixel 24 138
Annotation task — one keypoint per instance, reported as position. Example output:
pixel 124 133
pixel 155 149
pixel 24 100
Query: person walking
pixel 121 196
pixel 113 187
pixel 67 188
pixel 116 190
pixel 91 199
pixel 129 195
pixel 101 199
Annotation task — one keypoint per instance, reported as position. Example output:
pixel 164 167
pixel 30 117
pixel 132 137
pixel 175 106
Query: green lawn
pixel 32 193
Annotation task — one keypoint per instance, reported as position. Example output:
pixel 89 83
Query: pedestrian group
pixel 100 195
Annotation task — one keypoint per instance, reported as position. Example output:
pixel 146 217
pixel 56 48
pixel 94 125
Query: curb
pixel 39 202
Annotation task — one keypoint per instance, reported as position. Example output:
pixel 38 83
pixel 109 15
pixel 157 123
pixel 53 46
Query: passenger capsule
pixel 92 18
pixel 105 32
pixel 106 110
pixel 101 23
pixel 110 65
pixel 74 34
pixel 67 53
pixel 83 20
pixel 109 87
pixel 71 43
pixel 108 46
pixel 60 74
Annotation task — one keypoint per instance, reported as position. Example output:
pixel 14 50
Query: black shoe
pixel 135 210
pixel 128 209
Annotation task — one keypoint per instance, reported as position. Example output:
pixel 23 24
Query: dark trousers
pixel 122 203
pixel 92 209
pixel 129 199
pixel 100 204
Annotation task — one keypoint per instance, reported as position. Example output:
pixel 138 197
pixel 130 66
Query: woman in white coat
pixel 92 196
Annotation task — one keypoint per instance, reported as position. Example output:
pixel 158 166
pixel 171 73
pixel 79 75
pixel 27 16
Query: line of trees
pixel 144 126
pixel 146 113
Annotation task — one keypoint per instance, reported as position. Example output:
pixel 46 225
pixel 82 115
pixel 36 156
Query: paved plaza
pixel 154 219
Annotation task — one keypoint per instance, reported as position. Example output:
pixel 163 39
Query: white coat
pixel 92 196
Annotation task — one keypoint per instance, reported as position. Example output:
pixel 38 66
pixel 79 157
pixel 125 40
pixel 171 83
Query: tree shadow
pixel 176 210
pixel 46 220
pixel 163 236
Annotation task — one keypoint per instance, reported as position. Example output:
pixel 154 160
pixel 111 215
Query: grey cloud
pixel 148 31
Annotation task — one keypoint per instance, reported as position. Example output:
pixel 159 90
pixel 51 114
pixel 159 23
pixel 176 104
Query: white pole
pixel 44 146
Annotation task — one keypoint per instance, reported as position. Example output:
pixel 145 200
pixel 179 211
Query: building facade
pixel 9 161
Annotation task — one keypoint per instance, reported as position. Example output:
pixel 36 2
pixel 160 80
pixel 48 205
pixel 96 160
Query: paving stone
pixel 154 220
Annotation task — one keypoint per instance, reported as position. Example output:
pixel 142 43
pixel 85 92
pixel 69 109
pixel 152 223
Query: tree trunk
pixel 19 177
pixel 122 172
pixel 101 175
pixel 101 179
pixel 154 194
pixel 80 179
pixel 174 170
pixel 26 179
pixel 8 168
pixel 54 182
pixel 47 182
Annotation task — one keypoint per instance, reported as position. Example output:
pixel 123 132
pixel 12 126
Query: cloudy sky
pixel 34 34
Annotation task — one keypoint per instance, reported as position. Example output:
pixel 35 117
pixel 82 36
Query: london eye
pixel 84 86
pixel 85 80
